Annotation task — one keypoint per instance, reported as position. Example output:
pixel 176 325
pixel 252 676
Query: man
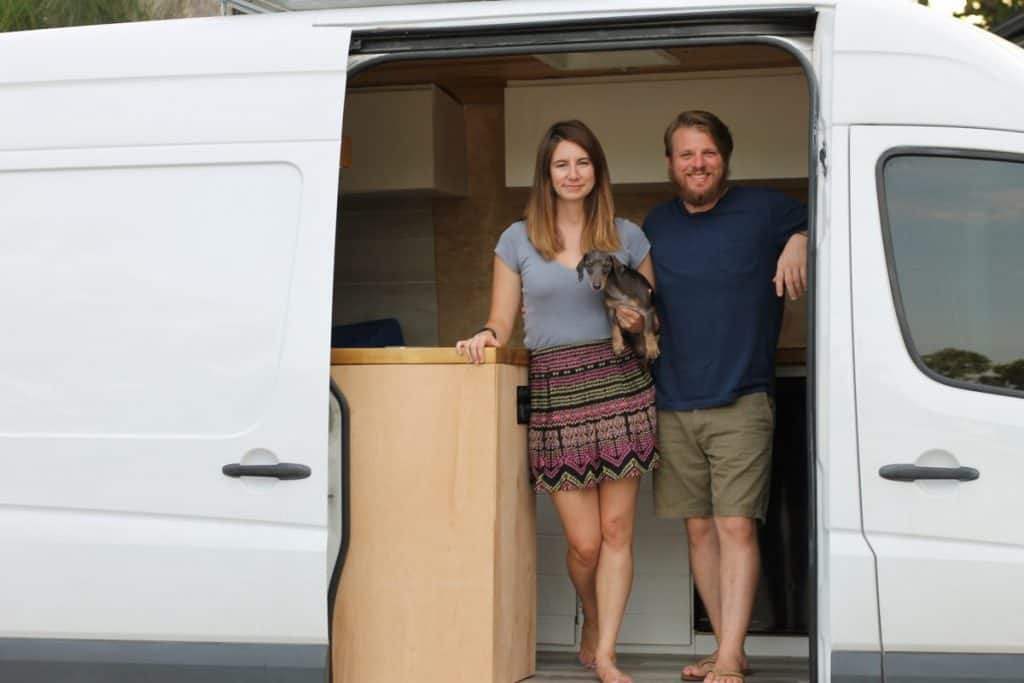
pixel 717 250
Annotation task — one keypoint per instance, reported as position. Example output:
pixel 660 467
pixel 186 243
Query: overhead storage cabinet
pixel 629 115
pixel 404 139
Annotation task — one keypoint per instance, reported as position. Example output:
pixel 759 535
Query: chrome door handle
pixel 915 472
pixel 282 470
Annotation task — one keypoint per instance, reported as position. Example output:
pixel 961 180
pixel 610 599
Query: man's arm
pixel 791 269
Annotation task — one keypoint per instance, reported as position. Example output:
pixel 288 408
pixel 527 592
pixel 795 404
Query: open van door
pixel 168 222
pixel 936 243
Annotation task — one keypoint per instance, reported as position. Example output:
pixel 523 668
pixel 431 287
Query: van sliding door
pixel 167 227
pixel 936 243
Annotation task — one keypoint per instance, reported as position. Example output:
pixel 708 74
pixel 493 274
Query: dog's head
pixel 598 265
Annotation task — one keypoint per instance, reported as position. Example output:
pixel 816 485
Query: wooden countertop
pixel 430 355
pixel 424 355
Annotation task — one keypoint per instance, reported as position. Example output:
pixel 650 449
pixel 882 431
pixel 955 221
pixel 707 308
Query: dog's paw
pixel 652 352
pixel 618 347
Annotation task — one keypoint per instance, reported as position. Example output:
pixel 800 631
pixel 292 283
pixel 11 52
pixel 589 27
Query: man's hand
pixel 629 319
pixel 791 271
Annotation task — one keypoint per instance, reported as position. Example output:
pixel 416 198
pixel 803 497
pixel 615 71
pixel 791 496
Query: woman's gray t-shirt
pixel 559 308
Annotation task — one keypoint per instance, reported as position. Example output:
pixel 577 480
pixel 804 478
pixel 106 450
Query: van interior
pixel 438 159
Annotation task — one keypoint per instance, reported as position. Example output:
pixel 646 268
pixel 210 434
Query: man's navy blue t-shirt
pixel 720 317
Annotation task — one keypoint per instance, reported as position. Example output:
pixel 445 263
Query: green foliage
pixel 21 15
pixel 988 13
pixel 991 12
pixel 1012 374
pixel 974 367
pixel 957 363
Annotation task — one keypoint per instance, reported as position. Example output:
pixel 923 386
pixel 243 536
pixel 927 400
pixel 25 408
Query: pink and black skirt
pixel 592 417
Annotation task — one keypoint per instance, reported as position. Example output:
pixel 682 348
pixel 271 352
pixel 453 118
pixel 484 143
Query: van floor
pixel 559 667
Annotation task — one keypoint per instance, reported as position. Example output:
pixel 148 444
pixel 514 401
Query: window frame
pixel 890 260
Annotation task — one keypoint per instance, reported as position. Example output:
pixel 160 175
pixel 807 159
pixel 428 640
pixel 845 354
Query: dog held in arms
pixel 623 286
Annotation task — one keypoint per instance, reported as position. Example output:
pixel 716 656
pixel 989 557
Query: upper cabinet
pixel 409 138
pixel 766 111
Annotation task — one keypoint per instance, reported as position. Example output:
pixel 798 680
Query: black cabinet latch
pixel 523 405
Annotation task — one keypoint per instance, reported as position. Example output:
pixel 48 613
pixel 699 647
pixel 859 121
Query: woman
pixel 592 427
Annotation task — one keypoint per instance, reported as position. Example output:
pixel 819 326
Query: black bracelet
pixel 487 329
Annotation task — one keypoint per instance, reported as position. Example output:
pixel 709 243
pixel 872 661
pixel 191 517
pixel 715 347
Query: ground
pixel 562 668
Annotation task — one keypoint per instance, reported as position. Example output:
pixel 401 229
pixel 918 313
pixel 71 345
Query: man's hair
pixel 707 122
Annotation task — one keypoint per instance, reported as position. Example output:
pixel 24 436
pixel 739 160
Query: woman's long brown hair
pixel 598 207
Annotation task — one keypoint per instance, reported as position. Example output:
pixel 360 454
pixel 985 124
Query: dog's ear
pixel 618 265
pixel 579 268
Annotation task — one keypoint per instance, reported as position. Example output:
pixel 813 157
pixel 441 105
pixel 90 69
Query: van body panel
pixel 950 555
pixel 200 47
pixel 855 667
pixel 202 176
pixel 925 667
pixel 187 82
pixel 898 63
pixel 169 237
pixel 103 661
pixel 846 642
pixel 848 597
pixel 510 13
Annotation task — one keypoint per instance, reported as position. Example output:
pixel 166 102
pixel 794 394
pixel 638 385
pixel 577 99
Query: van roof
pixel 876 61
pixel 886 62
pixel 346 4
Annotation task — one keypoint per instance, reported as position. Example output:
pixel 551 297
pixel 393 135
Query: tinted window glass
pixel 957 246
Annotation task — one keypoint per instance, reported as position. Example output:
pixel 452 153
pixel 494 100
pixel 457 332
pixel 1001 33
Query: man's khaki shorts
pixel 715 461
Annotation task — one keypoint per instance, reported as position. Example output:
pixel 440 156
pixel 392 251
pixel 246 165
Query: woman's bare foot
pixel 607 672
pixel 588 643
pixel 699 670
pixel 717 676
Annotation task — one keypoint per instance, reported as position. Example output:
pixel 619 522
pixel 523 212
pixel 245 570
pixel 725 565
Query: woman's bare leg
pixel 581 521
pixel 614 570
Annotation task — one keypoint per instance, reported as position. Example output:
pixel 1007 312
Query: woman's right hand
pixel 475 345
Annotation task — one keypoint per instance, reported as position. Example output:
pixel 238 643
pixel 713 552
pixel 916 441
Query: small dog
pixel 623 286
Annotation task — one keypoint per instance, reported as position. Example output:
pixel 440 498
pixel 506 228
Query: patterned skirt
pixel 592 417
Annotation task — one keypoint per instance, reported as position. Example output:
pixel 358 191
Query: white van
pixel 168 223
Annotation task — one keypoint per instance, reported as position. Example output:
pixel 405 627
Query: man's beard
pixel 708 196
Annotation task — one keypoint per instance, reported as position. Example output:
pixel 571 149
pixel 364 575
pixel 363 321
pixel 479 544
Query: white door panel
pixel 168 229
pixel 950 553
pixel 659 612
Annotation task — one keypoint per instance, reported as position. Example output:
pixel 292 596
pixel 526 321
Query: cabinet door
pixel 556 598
pixel 937 233
pixel 659 611
pixel 167 228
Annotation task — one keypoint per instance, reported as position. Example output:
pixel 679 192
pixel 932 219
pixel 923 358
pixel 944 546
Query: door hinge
pixel 822 157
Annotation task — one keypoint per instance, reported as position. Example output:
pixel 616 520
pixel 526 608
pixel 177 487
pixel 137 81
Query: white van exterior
pixel 167 228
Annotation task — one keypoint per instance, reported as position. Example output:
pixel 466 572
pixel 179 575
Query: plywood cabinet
pixel 404 139
pixel 440 579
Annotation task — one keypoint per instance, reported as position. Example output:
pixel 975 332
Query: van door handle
pixel 282 470
pixel 915 472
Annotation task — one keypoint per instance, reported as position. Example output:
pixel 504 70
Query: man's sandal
pixel 706 665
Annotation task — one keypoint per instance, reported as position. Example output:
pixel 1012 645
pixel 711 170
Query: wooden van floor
pixel 560 667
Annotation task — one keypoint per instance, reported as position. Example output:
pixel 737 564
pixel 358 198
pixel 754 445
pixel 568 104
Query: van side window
pixel 954 229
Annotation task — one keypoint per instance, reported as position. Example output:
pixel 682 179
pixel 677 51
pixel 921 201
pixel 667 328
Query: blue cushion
pixel 369 333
